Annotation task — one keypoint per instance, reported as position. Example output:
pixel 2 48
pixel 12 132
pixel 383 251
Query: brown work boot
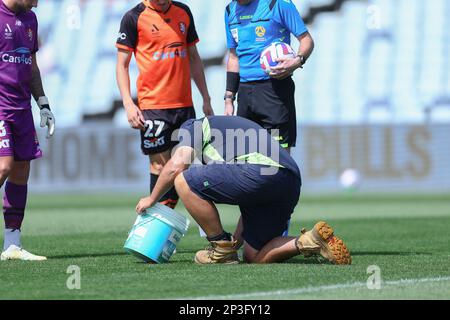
pixel 321 240
pixel 218 252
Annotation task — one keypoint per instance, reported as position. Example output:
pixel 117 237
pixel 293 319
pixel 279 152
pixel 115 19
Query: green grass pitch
pixel 407 237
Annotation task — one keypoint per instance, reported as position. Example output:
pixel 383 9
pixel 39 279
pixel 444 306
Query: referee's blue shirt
pixel 250 28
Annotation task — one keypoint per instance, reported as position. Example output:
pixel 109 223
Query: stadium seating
pixel 378 61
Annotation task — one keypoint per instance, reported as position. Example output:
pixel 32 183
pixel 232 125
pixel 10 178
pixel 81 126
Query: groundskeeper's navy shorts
pixel 266 201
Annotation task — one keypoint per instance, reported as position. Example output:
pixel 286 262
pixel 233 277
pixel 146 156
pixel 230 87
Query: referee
pixel 267 99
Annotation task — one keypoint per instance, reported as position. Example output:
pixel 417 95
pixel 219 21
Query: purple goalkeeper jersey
pixel 18 41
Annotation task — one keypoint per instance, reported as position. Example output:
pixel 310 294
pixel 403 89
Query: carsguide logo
pixel 19 56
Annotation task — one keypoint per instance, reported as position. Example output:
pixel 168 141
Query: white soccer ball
pixel 276 50
pixel 350 179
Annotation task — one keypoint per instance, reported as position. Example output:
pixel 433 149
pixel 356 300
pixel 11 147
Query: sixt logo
pixel 154 143
pixel 18 56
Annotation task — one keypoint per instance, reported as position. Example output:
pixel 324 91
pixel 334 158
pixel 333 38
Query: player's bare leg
pixel 238 233
pixel 319 241
pixel 20 173
pixel 6 165
pixel 14 203
pixel 157 163
pixel 277 250
pixel 223 247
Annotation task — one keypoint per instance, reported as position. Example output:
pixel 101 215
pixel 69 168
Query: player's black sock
pixel 170 199
pixel 153 180
pixel 224 236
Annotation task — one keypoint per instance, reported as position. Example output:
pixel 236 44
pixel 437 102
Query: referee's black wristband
pixel 233 80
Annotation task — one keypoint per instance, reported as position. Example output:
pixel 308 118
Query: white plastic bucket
pixel 156 233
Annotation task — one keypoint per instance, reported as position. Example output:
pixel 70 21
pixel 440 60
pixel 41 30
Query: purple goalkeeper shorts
pixel 18 136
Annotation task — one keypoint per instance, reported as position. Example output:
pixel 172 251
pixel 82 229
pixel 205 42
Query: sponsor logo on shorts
pixel 2 129
pixel 154 143
pixel 4 143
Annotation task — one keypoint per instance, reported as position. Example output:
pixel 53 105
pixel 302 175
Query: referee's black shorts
pixel 271 104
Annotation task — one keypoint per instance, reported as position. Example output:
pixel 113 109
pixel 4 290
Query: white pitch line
pixel 314 289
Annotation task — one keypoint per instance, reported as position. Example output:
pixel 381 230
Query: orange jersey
pixel 160 42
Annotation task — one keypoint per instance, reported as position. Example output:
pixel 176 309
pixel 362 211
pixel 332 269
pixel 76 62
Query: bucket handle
pixel 142 222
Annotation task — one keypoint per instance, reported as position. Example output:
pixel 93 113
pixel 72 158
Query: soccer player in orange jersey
pixel 163 38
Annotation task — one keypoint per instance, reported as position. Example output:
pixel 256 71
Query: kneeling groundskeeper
pixel 241 164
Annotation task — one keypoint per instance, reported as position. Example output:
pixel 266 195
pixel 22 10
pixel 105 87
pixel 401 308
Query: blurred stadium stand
pixel 380 73
pixel 375 61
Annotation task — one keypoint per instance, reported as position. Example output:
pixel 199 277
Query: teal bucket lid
pixel 166 215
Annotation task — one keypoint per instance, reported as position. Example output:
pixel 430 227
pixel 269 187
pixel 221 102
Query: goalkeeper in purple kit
pixel 19 80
